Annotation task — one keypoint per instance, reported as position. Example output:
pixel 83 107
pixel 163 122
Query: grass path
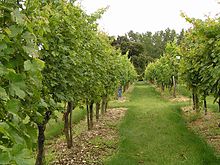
pixel 154 133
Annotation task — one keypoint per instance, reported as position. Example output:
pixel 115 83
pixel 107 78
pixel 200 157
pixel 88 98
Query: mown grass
pixel 154 132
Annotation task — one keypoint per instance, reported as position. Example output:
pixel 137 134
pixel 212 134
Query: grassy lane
pixel 153 132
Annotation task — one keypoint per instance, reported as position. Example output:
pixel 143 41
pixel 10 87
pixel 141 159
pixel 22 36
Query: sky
pixel 148 15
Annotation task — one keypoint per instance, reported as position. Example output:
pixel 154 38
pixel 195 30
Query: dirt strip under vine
pixel 90 147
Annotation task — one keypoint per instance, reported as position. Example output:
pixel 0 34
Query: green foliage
pixel 199 60
pixel 20 81
pixel 162 70
pixel 51 52
pixel 200 56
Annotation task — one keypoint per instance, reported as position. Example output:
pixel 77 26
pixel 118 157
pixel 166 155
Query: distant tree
pixel 139 63
pixel 180 37
pixel 134 36
pixel 146 47
pixel 122 43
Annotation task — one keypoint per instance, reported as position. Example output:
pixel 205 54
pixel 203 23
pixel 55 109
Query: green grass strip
pixel 153 132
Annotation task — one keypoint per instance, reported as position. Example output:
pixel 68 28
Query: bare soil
pixel 180 98
pixel 206 126
pixel 90 147
pixel 121 99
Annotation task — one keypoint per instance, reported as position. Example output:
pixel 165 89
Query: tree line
pixel 144 48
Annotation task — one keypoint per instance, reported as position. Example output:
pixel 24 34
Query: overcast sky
pixel 148 15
